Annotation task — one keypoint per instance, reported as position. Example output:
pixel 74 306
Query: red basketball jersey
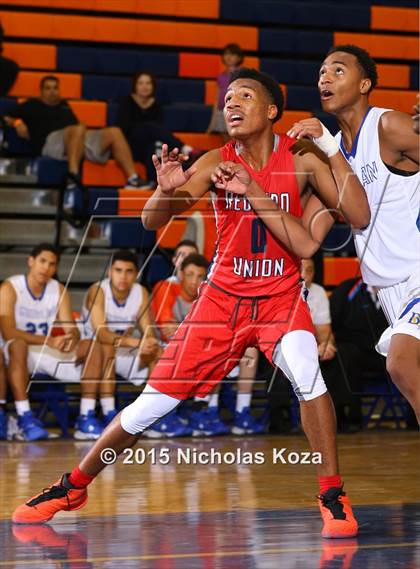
pixel 249 260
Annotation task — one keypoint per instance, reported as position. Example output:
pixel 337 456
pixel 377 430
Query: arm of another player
pixel 398 136
pixel 293 232
pixel 331 174
pixel 66 320
pixel 149 345
pixel 177 189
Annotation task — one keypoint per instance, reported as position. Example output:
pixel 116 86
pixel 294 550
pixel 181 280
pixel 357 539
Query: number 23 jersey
pixel 32 314
pixel 249 260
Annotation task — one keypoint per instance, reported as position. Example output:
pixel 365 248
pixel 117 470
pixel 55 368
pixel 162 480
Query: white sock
pixel 22 406
pixel 133 177
pixel 87 405
pixel 107 404
pixel 186 149
pixel 2 401
pixel 214 400
pixel 243 400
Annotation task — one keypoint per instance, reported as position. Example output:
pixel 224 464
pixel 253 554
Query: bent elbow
pixel 362 220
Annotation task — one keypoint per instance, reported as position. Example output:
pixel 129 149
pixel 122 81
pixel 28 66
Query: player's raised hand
pixel 311 128
pixel 231 177
pixel 170 174
pixel 317 132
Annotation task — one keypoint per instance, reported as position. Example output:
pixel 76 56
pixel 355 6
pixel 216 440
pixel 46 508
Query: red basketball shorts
pixel 215 334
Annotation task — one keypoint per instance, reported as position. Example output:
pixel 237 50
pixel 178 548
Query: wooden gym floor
pixel 186 516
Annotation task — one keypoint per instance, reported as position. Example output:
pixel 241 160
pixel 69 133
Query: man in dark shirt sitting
pixel 54 130
pixel 357 323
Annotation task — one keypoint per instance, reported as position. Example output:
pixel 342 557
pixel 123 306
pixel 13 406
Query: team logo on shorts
pixel 415 318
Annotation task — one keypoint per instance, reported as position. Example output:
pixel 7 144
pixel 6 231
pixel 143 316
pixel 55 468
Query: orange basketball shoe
pixel 61 496
pixel 339 521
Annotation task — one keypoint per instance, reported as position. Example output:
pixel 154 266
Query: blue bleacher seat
pixel 16 145
pixel 116 61
pixel 103 201
pixel 414 77
pixel 341 15
pixel 126 232
pixel 187 117
pixel 50 172
pixel 294 42
pixel 290 71
pixel 158 268
pixel 104 88
pixel 339 240
pixel 302 97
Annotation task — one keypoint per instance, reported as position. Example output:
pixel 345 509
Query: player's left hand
pixel 231 177
pixel 310 128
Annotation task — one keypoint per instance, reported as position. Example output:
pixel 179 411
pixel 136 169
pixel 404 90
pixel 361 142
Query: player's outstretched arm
pixel 337 184
pixel 177 189
pixel 289 229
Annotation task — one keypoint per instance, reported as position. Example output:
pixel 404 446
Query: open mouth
pixel 235 119
pixel 326 95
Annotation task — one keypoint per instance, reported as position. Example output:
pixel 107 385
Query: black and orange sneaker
pixel 339 521
pixel 61 496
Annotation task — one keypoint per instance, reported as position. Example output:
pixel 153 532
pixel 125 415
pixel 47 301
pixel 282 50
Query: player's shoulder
pixel 391 121
pixel 95 292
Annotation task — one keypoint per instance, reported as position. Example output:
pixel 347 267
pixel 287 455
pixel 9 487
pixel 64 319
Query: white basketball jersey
pixel 119 317
pixel 389 247
pixel 32 314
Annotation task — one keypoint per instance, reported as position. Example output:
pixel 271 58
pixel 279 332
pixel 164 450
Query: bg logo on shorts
pixel 415 318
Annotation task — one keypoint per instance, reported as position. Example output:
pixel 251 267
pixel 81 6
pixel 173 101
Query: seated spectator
pixel 3 393
pixel 8 69
pixel 349 351
pixel 232 57
pixel 49 123
pixel 183 249
pixel 113 310
pixel 29 306
pixel 140 117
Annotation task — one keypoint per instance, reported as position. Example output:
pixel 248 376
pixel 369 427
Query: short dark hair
pixel 195 259
pixel 45 247
pixel 270 85
pixel 366 63
pixel 48 78
pixel 235 49
pixel 125 255
pixel 139 74
pixel 186 243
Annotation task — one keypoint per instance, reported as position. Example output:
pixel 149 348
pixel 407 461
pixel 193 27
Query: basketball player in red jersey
pixel 252 296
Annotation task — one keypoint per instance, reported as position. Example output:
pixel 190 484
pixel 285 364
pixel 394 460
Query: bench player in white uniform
pixel 382 148
pixel 29 306
pixel 112 310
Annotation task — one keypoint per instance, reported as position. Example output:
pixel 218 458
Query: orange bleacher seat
pixel 288 119
pixel 91 113
pixel 27 84
pixel 393 76
pixel 380 45
pixel 391 18
pixel 171 234
pixel 108 174
pixel 31 55
pixel 189 8
pixel 393 99
pixel 338 269
pixel 124 30
pixel 207 65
